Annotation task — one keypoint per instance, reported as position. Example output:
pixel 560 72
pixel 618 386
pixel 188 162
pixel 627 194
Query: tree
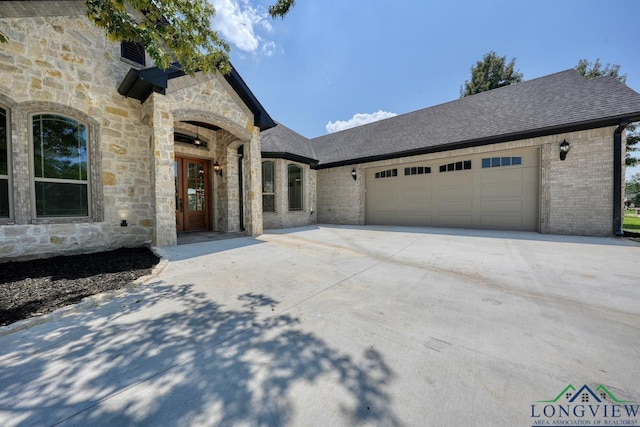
pixel 170 30
pixel 491 73
pixel 632 187
pixel 596 69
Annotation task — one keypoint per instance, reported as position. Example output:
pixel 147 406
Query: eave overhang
pixel 140 84
pixel 290 156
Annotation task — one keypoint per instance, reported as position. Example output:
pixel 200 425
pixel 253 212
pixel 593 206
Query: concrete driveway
pixel 340 326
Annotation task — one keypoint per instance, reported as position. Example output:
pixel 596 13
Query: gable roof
pixel 560 102
pixel 140 84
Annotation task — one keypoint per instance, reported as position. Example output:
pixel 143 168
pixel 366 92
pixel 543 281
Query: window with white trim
pixel 268 187
pixel 60 167
pixel 4 164
pixel 295 187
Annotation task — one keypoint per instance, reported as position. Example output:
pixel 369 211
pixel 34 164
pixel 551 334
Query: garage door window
pixel 456 166
pixel 417 170
pixel 495 162
pixel 387 174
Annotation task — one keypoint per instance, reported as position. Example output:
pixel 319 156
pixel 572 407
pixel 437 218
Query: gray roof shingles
pixel 547 104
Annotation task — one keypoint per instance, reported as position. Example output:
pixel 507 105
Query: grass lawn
pixel 631 221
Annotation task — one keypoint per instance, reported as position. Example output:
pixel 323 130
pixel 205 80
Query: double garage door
pixel 496 190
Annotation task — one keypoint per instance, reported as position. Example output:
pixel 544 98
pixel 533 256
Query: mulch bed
pixel 32 288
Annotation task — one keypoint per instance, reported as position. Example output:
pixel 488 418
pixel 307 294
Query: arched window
pixel 60 166
pixel 4 164
pixel 295 188
pixel 268 187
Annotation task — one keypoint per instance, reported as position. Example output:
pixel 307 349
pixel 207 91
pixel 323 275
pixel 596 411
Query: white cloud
pixel 358 120
pixel 237 21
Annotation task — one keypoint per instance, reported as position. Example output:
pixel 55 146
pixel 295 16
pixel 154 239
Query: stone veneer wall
pixel 65 65
pixel 282 217
pixel 576 195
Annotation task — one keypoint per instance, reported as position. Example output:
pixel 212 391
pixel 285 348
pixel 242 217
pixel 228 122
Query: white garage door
pixel 497 190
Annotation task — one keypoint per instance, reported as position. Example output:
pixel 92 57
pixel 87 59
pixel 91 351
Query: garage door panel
pixel 500 191
pixel 501 222
pixel 464 221
pixel 502 196
pixel 511 206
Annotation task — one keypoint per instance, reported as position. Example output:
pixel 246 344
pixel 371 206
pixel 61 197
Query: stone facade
pixel 282 217
pixel 575 194
pixel 64 65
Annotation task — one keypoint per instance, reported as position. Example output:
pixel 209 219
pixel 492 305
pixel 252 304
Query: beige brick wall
pixel 576 195
pixel 283 217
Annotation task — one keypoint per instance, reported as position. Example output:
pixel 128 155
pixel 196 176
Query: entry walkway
pixel 339 326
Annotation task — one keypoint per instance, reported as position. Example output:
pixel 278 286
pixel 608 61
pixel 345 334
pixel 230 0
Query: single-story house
pixel 100 149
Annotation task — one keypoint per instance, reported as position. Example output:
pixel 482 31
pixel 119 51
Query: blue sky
pixel 335 61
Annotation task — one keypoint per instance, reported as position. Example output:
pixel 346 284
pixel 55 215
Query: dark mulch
pixel 32 288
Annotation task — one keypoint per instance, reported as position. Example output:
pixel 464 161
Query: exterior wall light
pixel 217 168
pixel 564 149
pixel 354 175
pixel 197 141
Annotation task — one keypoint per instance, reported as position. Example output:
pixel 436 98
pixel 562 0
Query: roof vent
pixel 133 51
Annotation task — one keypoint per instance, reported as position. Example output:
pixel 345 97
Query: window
pixel 268 192
pixel 495 162
pixel 133 52
pixel 4 165
pixel 295 188
pixel 60 165
pixel 386 174
pixel 417 170
pixel 457 166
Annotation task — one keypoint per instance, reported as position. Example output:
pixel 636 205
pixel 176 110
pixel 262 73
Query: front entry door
pixel 192 194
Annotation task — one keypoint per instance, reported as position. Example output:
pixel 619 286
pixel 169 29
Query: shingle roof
pixel 281 139
pixel 555 103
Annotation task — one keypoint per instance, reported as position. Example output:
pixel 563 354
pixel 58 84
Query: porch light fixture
pixel 354 175
pixel 197 140
pixel 217 168
pixel 564 149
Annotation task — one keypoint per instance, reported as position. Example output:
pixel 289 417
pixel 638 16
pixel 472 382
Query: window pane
pixel 407 171
pixel 486 162
pixel 56 199
pixel 394 172
pixel 4 162
pixel 516 160
pixel 467 164
pixel 295 188
pixel 268 203
pixel 495 162
pixel 427 170
pixel 443 168
pixel 59 147
pixel 267 177
pixel 506 161
pixel 458 166
pixel 4 198
pixel 450 166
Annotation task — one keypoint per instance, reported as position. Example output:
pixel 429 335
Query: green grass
pixel 631 221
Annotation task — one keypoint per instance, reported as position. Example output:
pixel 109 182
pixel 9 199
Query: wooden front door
pixel 192 194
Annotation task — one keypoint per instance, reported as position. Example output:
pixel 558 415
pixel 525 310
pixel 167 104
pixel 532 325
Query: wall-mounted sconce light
pixel 123 223
pixel 217 168
pixel 354 174
pixel 564 149
pixel 197 140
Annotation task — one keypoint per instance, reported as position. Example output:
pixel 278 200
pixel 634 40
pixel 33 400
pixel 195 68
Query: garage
pixel 497 190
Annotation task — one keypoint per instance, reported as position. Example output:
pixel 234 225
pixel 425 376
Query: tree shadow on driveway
pixel 167 355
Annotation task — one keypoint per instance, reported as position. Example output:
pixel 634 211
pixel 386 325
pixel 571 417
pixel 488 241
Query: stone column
pixel 253 184
pixel 163 176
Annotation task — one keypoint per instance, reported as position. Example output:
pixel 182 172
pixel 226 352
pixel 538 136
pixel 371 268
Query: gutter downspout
pixel 617 178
